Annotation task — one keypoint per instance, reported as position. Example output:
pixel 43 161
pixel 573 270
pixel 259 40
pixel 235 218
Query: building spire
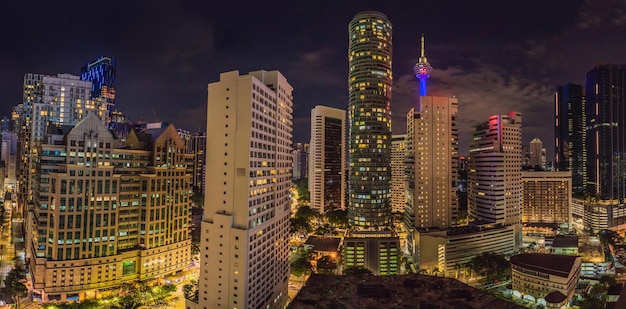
pixel 422 69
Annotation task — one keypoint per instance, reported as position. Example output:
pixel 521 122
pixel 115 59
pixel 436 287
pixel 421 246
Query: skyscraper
pixel 63 100
pixel 398 172
pixel 327 158
pixel 101 73
pixel 245 232
pixel 433 162
pixel 371 241
pixel 536 153
pixel 606 129
pixel 369 116
pixel 495 175
pixel 570 133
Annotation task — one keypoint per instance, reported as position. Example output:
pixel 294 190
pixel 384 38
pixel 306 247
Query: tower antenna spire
pixel 423 69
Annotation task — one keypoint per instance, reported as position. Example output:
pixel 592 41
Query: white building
pixel 327 158
pixel 398 172
pixel 494 177
pixel 244 254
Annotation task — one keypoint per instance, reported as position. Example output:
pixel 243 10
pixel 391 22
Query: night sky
pixel 495 56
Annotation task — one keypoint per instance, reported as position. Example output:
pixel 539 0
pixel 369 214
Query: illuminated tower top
pixel 422 70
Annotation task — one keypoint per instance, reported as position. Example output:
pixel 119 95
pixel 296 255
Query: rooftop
pixel 401 291
pixel 555 297
pixel 552 264
pixel 328 244
pixel 565 241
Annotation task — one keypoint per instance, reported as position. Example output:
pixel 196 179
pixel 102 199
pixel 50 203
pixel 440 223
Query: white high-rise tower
pixel 245 233
pixel 495 171
pixel 327 158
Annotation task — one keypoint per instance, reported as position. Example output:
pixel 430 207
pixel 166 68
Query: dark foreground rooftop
pixel 405 291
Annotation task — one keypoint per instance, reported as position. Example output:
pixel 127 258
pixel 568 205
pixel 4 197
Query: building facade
pixel 606 126
pixel 546 197
pixel 327 158
pixel 300 159
pixel 495 175
pixel 398 172
pixel 102 75
pixel 245 233
pixel 537 154
pixel 548 277
pixel 105 215
pixel 432 163
pixel 369 116
pixel 442 251
pixel 570 134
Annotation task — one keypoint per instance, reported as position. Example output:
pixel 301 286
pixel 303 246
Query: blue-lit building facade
pixel 101 74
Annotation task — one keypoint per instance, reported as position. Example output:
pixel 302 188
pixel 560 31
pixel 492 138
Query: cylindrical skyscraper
pixel 369 116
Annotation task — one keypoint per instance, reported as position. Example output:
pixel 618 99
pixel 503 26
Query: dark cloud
pixel 168 51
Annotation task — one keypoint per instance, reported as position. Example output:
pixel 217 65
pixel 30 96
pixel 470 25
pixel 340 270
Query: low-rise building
pixel 547 278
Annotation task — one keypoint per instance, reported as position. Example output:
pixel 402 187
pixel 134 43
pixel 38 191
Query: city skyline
pixel 167 53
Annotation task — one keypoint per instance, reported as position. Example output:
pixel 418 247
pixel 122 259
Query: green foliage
pixel 326 265
pixel 596 299
pixel 14 285
pixel 191 292
pixel 337 218
pixel 307 213
pixel 357 270
pixel 324 230
pixel 490 266
pixel 301 266
pixel 300 225
pixel 304 196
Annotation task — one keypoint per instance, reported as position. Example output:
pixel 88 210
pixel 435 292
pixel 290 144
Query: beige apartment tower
pixel 398 172
pixel 327 158
pixel 244 257
pixel 432 142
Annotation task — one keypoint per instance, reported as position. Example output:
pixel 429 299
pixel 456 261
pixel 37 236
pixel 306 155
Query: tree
pixel 357 270
pixel 490 266
pixel 300 225
pixel 301 266
pixel 15 287
pixel 337 217
pixel 326 265
pixel 191 292
pixel 306 212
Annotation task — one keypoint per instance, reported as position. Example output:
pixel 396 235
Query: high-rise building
pixel 432 163
pixel 495 174
pixel 59 100
pixel 546 197
pixel 300 161
pixel 245 233
pixel 327 158
pixel 371 240
pixel 101 74
pixel 398 173
pixel 199 166
pixel 369 117
pixel 570 134
pixel 606 127
pixel 536 153
pixel 87 233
